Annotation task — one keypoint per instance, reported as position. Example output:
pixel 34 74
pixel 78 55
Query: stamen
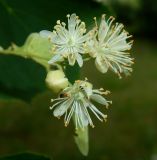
pixel 95 20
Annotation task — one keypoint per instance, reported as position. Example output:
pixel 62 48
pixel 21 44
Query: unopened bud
pixel 56 80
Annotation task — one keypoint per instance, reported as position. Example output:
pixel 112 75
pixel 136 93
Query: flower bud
pixel 56 80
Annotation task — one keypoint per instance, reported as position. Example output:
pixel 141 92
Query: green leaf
pixel 20 78
pixel 82 139
pixel 25 156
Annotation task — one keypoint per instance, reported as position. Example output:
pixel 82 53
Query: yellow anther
pixel 68 15
pixel 65 124
pixel 58 22
pixel 77 81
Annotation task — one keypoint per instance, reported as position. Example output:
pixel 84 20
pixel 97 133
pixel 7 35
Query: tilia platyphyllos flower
pixel 76 100
pixel 68 43
pixel 109 46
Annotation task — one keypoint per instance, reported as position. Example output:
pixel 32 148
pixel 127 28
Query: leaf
pixel 20 78
pixel 25 156
pixel 81 140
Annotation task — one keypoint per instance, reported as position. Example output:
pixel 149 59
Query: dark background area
pixel 27 124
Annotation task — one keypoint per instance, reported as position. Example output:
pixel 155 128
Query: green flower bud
pixel 56 80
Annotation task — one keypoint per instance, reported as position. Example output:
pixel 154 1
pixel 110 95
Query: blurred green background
pixel 27 124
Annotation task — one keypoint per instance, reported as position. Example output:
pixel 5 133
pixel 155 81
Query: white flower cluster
pixel 107 43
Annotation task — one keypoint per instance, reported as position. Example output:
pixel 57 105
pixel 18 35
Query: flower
pixel 75 101
pixel 109 46
pixel 68 43
pixel 56 80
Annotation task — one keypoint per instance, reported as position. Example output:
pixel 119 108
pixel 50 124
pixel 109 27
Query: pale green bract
pixel 82 139
pixel 35 48
pixel 75 101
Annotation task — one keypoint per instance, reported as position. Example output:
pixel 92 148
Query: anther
pixel 58 22
pixel 65 124
pixel 68 15
pixel 63 24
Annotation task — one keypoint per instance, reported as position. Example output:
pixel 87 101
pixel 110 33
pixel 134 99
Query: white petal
pixel 55 59
pixel 103 30
pixel 45 33
pixel 101 66
pixel 98 98
pixel 71 59
pixel 91 47
pixel 72 23
pixel 120 46
pixel 82 115
pixel 62 108
pixel 85 103
pixel 82 39
pixel 79 59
